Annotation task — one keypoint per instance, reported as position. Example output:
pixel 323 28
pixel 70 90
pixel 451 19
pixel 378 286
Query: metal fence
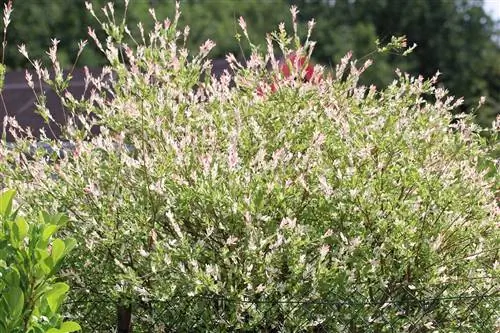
pixel 407 310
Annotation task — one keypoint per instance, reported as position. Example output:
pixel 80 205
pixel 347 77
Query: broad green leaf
pixel 14 298
pixel 58 248
pixel 6 199
pixel 41 270
pixel 48 231
pixel 53 330
pixel 50 264
pixel 69 326
pixel 55 295
pixel 41 254
pixel 12 278
pixel 44 262
pixel 20 228
pixel 9 228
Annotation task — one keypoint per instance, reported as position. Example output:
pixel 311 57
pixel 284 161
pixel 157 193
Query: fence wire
pixel 403 310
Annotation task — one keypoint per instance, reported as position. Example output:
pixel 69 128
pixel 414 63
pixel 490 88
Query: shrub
pixel 213 205
pixel 29 259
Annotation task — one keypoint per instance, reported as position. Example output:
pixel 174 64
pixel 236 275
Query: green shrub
pixel 29 259
pixel 221 205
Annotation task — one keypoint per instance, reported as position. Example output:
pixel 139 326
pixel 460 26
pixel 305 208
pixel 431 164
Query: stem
pixel 124 315
pixel 30 305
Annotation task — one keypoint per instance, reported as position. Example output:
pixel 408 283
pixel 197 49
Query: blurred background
pixel 461 38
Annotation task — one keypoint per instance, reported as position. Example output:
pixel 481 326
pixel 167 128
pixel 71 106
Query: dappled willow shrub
pixel 265 203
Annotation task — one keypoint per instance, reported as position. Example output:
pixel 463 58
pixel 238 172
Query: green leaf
pixel 48 231
pixel 2 75
pixel 69 326
pixel 6 199
pixel 41 254
pixel 2 325
pixel 70 244
pixel 58 250
pixel 45 217
pixel 57 219
pixel 20 228
pixel 14 298
pixel 41 270
pixel 54 330
pixel 55 295
pixel 48 265
pixel 12 278
pixel 61 219
pixel 258 199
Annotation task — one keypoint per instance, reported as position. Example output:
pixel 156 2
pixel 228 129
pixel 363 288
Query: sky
pixel 492 7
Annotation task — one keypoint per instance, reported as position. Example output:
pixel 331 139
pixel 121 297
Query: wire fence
pixel 403 310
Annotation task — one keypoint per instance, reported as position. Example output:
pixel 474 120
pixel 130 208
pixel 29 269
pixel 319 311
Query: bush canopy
pixel 220 204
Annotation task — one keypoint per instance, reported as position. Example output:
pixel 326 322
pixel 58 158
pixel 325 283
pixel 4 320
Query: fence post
pixel 124 314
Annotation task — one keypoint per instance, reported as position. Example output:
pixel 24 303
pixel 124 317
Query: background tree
pixel 35 23
pixel 455 37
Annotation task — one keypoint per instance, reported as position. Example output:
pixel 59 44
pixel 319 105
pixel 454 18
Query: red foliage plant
pixel 291 68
